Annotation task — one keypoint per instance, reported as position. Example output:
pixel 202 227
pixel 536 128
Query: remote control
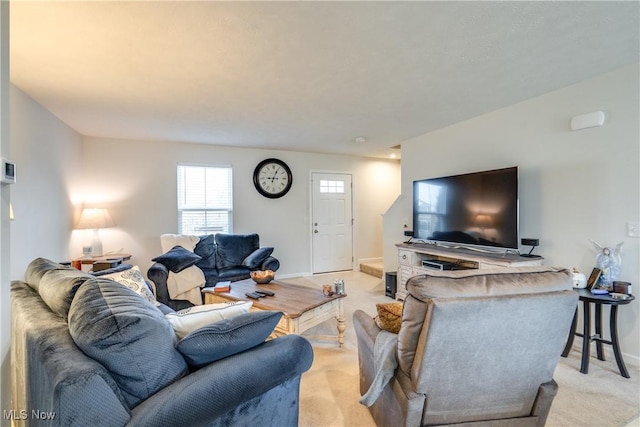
pixel 253 295
pixel 265 292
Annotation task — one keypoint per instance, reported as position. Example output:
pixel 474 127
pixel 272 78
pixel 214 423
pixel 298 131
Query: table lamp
pixel 93 218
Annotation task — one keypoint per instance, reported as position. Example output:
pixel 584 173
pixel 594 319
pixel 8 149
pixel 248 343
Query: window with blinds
pixel 205 200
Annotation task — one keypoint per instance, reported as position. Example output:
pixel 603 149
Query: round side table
pixel 587 299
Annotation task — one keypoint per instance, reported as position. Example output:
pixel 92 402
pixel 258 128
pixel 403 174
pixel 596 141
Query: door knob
pixel 315 231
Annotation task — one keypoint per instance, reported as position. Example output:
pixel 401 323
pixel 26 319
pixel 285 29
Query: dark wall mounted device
pixel 530 242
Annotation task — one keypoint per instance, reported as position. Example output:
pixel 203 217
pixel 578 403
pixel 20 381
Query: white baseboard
pixel 630 359
pixel 292 275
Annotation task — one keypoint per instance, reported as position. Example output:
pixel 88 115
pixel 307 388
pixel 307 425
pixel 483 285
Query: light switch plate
pixel 633 229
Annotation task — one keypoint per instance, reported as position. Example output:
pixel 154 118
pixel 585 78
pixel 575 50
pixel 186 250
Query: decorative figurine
pixel 579 279
pixel 608 260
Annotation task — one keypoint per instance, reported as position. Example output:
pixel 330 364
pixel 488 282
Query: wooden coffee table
pixel 303 307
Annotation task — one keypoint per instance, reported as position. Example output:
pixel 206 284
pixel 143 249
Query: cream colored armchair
pixel 475 347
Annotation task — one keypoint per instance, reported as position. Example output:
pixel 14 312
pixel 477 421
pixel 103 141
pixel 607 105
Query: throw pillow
pixel 168 241
pixel 257 257
pixel 227 337
pixel 128 336
pixel 133 279
pixel 192 318
pixel 389 316
pixel 58 287
pixel 177 259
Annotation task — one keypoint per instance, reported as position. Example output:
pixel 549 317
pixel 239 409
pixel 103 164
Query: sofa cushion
pixel 58 287
pixel 234 273
pixel 189 319
pixel 227 337
pixel 128 336
pixel 37 268
pixel 206 249
pixel 133 279
pixel 255 259
pixel 234 248
pixel 177 259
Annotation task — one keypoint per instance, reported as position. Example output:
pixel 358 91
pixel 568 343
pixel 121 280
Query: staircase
pixel 372 268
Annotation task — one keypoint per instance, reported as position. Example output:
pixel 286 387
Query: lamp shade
pixel 94 218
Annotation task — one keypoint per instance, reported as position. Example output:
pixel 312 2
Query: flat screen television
pixel 474 209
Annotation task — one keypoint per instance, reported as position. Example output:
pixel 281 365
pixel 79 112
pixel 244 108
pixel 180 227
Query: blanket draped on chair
pixel 385 351
pixel 186 285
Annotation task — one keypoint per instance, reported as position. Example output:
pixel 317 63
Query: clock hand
pixel 275 175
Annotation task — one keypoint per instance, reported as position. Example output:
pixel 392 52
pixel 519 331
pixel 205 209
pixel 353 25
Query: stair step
pixel 372 268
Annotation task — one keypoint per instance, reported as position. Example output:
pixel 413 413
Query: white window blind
pixel 205 200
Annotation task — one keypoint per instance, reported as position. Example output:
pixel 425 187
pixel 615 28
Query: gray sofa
pixel 474 348
pixel 221 257
pixel 91 352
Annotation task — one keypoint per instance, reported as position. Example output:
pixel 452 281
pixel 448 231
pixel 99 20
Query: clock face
pixel 272 178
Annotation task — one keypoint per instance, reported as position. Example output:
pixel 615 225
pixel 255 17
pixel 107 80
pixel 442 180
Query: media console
pixel 418 258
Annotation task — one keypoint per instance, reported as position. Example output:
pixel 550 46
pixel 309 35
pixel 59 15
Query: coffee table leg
pixel 341 324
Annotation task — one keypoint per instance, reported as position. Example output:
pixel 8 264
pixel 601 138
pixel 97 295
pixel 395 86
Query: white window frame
pixel 206 206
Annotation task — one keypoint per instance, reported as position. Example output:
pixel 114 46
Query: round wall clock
pixel 272 178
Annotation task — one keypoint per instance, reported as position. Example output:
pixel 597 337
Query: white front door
pixel 331 222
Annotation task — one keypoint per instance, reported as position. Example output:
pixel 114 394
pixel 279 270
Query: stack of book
pixel 218 287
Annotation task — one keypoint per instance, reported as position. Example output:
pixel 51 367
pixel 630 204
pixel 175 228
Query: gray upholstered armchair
pixel 473 347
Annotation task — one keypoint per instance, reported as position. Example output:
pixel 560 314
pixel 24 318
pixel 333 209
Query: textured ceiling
pixel 305 76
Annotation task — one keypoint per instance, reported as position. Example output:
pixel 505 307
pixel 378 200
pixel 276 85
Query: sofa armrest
pixel 51 374
pixel 270 263
pixel 366 333
pixel 158 274
pixel 207 394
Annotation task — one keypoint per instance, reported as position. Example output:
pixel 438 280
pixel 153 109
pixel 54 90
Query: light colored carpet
pixel 330 389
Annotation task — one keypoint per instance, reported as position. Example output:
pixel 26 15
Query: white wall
pixel 47 154
pixel 47 157
pixel 5 151
pixel 574 186
pixel 136 181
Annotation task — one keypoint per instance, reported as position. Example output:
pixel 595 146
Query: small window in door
pixel 328 186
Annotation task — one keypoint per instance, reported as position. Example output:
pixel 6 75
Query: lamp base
pixel 96 244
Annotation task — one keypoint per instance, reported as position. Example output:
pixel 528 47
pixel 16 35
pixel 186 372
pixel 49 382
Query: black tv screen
pixel 474 209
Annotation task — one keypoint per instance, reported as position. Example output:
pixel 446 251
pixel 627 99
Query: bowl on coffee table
pixel 262 276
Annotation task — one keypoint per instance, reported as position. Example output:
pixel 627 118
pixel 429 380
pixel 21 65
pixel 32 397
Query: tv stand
pixel 411 255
